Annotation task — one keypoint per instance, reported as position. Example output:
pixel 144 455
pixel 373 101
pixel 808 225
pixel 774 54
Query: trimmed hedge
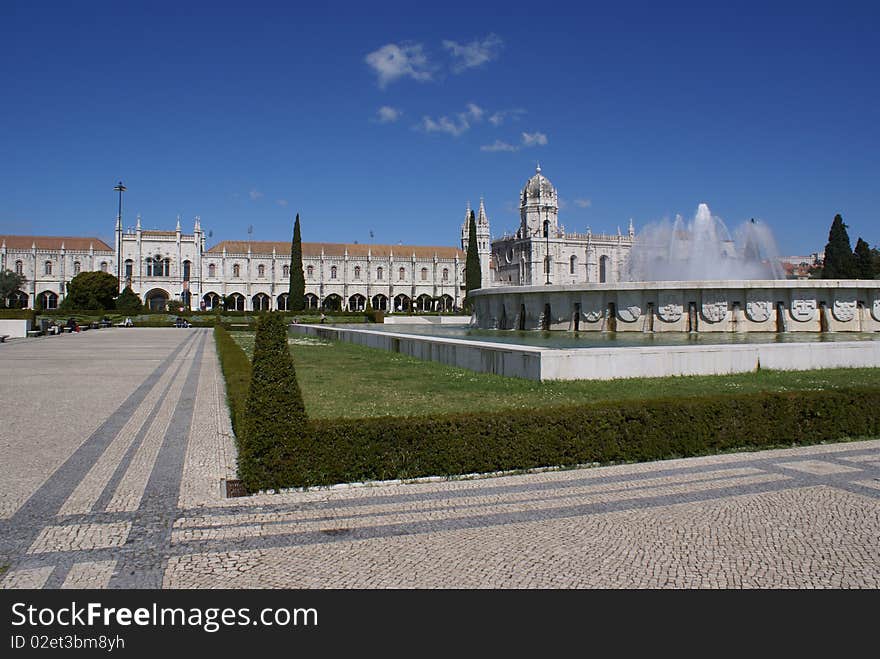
pixel 321 452
pixel 274 413
pixel 388 448
pixel 19 314
pixel 237 373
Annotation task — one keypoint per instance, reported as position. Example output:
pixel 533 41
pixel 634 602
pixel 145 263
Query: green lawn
pixel 346 380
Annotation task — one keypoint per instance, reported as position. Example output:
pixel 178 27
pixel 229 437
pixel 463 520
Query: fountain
pixel 703 249
pixel 692 276
pixel 693 299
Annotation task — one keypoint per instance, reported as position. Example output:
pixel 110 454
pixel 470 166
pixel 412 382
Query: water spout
pixel 703 249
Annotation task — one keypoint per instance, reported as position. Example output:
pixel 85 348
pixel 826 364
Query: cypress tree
pixel 274 413
pixel 297 291
pixel 472 274
pixel 839 259
pixel 864 259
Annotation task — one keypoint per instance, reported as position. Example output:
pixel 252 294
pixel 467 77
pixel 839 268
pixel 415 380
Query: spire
pixel 632 229
pixel 138 225
pixel 198 226
pixel 481 215
pixel 178 224
pixel 538 168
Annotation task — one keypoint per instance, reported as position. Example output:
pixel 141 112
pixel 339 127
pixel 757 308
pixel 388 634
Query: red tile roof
pixel 72 243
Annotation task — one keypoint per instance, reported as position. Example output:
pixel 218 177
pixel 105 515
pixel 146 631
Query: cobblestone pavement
pixel 115 479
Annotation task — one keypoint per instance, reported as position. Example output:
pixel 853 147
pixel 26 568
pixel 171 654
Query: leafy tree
pixel 128 302
pixel 9 283
pixel 297 291
pixel 864 258
pixel 472 273
pixel 91 290
pixel 839 260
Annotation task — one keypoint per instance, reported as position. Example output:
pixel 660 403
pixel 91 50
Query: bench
pixel 33 333
pixel 3 338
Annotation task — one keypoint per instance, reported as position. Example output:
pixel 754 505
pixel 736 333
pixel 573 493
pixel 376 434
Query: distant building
pixel 164 266
pixel 801 267
pixel 541 252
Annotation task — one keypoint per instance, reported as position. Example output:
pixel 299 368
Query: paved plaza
pixel 116 444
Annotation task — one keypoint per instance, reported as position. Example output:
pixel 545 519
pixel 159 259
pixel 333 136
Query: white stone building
pixel 47 262
pixel 164 266
pixel 542 252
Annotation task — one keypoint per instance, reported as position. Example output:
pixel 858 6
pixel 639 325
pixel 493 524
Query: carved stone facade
pixel 543 252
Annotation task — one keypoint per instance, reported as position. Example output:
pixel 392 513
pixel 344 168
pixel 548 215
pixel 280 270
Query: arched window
pixel 424 274
pixel 166 267
pixel 187 269
pixel 333 272
pixel 76 268
pixel 603 269
pixel 149 264
pixel 310 271
pixel 379 272
pixel 286 271
pixel 236 270
pixel 129 268
pixel 573 264
pixel 357 272
pixel 445 274
pixel 47 268
pixel 212 270
pixel 103 266
pixel 19 268
pixel 261 270
pixel 401 274
pixel 49 300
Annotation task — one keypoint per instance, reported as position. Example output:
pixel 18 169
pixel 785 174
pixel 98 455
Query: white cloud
pixel 281 202
pixel 255 194
pixel 534 139
pixel 444 125
pixel 388 115
pixel 499 146
pixel 475 53
pixel 462 122
pixel 474 111
pixel 393 61
pixel 583 203
pixel 501 116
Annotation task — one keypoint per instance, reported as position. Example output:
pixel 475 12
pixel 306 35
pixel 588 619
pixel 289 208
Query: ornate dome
pixel 539 185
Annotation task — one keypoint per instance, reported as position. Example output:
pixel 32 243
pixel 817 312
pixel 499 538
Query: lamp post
pixel 547 245
pixel 120 189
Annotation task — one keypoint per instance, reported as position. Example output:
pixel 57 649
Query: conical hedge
pixel 274 415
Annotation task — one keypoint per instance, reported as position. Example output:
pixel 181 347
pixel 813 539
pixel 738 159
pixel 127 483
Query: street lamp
pixel 547 245
pixel 120 189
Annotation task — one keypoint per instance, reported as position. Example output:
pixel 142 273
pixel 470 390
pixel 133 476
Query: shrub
pixel 19 314
pixel 274 416
pixel 385 448
pixel 128 302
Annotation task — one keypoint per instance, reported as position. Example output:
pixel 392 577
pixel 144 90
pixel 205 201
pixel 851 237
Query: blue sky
pixel 245 114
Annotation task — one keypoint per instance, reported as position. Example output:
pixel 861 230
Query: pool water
pixel 566 340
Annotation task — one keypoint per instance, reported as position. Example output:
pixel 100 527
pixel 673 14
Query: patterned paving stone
pixel 817 467
pixel 132 495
